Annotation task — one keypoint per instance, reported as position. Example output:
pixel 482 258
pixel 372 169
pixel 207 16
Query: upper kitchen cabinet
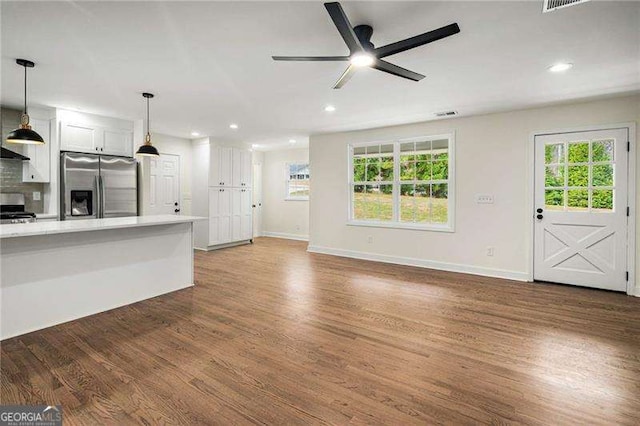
pixel 241 167
pixel 89 133
pixel 38 168
pixel 220 171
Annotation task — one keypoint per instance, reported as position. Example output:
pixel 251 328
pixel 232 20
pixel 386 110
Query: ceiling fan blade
pixel 310 58
pixel 419 40
pixel 344 26
pixel 346 76
pixel 396 70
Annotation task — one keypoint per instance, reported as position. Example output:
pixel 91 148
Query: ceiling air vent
pixel 446 114
pixel 551 5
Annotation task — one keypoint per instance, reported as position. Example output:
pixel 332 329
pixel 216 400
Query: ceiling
pixel 209 63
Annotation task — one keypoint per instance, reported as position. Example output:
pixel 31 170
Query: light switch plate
pixel 484 199
pixel 36 195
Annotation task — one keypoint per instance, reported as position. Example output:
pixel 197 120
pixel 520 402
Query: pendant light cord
pixel 25 89
pixel 148 122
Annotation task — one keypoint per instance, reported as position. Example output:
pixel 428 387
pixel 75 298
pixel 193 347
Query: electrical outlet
pixel 484 199
pixel 370 239
pixel 36 195
pixel 489 251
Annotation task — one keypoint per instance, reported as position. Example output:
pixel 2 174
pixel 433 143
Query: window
pixel 297 181
pixel 404 184
pixel 579 176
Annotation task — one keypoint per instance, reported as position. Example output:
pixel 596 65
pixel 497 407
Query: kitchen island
pixel 54 272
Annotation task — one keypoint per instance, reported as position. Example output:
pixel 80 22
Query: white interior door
pixel 257 200
pixel 164 184
pixel 581 182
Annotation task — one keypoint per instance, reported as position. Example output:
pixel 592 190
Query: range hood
pixel 10 155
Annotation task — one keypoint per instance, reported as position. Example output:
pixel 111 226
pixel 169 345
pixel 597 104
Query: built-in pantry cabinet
pixel 227 171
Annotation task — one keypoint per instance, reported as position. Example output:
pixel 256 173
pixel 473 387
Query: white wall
pixel 177 146
pixel 280 217
pixel 500 144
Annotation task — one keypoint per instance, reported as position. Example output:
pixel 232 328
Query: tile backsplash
pixel 11 181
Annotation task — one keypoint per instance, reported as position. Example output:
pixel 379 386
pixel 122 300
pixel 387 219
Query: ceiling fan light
pixel 362 60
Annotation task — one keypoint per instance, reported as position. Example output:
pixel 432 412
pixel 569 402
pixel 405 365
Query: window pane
pixel 361 150
pixel 407 170
pixel 373 149
pixel 578 176
pixel 358 169
pixel 387 149
pixel 385 202
pixel 423 151
pixel 602 199
pixel 602 150
pixel 373 169
pixel 439 202
pixel 407 151
pixel 578 152
pixel 554 176
pixel 578 199
pixel 386 168
pixel 554 153
pixel 299 188
pixel 554 199
pixel 407 203
pixel 440 170
pixel 423 170
pixel 602 175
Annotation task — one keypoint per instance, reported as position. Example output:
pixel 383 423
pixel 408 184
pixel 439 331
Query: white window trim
pixel 396 224
pixel 287 197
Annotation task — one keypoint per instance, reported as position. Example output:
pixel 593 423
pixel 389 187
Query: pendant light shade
pixel 24 134
pixel 146 149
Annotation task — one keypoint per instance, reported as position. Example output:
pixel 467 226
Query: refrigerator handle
pixel 102 195
pixel 98 207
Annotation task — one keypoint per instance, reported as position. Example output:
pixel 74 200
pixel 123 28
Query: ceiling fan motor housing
pixel 364 32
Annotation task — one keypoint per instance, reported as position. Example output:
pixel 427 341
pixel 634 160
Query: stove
pixel 12 209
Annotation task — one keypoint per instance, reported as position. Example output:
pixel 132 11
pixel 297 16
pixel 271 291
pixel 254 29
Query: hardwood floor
pixel 272 334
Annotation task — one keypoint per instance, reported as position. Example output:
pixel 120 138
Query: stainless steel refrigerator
pixel 97 186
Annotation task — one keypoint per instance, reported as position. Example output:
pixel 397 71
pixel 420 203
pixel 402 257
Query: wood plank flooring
pixel 274 335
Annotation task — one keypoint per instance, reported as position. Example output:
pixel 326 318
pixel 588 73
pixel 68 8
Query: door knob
pixel 539 210
pixel 177 210
pixel 539 216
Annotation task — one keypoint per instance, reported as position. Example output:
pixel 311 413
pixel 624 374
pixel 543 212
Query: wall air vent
pixel 446 114
pixel 551 5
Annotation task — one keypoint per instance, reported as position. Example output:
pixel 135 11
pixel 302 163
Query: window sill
pixel 296 199
pixel 397 225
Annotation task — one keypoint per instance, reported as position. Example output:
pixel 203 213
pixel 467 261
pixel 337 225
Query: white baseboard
pixel 431 264
pixel 284 235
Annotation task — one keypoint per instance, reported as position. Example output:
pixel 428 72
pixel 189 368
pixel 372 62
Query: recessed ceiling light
pixel 233 126
pixel 560 67
pixel 292 141
pixel 329 108
pixel 362 60
pixel 255 145
pixel 195 134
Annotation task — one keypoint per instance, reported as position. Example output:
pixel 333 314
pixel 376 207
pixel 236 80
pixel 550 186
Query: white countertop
pixel 46 215
pixel 68 226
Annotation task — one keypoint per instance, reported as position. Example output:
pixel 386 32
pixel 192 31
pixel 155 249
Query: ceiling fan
pixel 362 53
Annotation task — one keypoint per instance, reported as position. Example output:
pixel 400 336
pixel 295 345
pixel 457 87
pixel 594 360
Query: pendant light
pixel 24 134
pixel 147 149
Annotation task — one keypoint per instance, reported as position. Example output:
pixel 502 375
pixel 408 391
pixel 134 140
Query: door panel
pixel 119 186
pixel 164 184
pixel 581 208
pixel 79 186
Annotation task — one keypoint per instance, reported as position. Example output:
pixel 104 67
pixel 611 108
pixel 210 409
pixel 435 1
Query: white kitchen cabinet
pixel 246 212
pixel 38 168
pixel 241 168
pixel 220 166
pixel 219 215
pixel 80 137
pixel 117 142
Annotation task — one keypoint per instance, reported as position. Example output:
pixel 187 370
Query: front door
pixel 164 184
pixel 581 221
